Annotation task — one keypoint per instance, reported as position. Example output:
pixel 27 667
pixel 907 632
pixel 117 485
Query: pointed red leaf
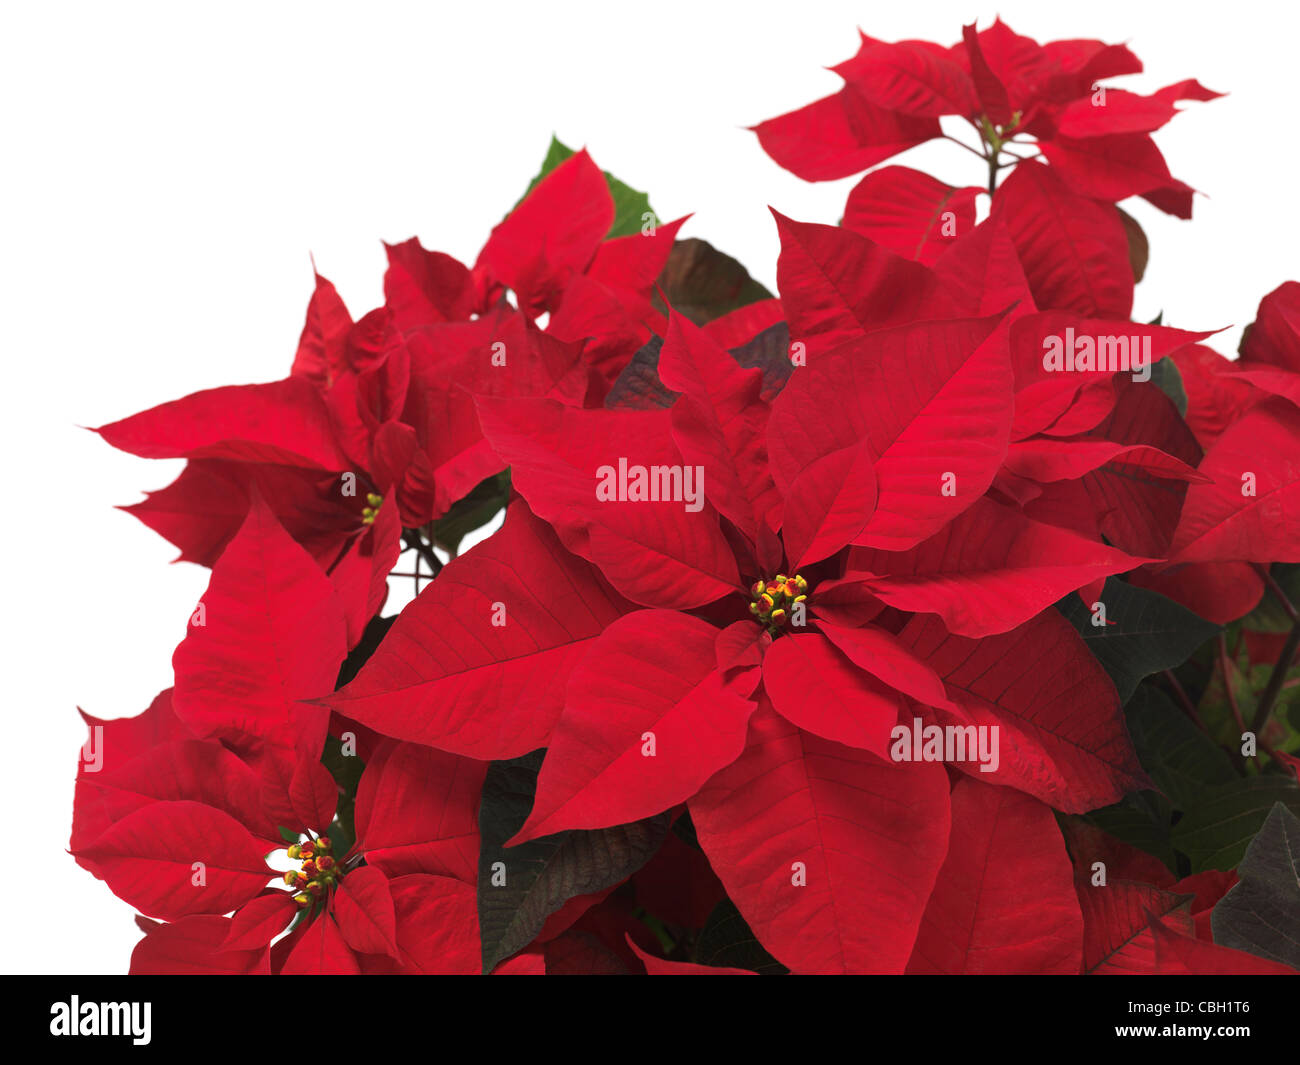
pixel 477 664
pixel 1004 902
pixel 664 551
pixel 170 859
pixel 640 731
pixel 662 967
pixel 813 685
pixel 363 908
pixel 932 400
pixel 987 571
pixel 259 921
pixel 321 951
pixel 314 795
pixel 1060 727
pixel 720 424
pixel 1117 936
pixel 840 135
pixel 417 812
pixel 284 422
pixel 195 946
pixel 1074 250
pixel 1249 512
pixel 910 212
pixel 269 632
pixel 865 838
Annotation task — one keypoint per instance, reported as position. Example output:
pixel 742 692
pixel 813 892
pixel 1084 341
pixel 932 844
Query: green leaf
pixel 630 206
pixel 1145 632
pixel 1166 376
pixel 1261 914
pixel 1269 615
pixel 375 631
pixel 542 875
pixel 703 283
pixel 1177 755
pixel 1142 820
pixel 1216 830
pixel 484 502
pixel 728 942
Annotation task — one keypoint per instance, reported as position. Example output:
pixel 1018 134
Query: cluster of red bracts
pixel 716 740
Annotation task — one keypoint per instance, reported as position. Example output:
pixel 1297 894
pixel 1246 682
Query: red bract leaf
pixel 422 286
pixel 814 686
pixel 1004 901
pixel 437 925
pixel 259 921
pixel 833 497
pixel 988 86
pixel 910 213
pixel 1220 592
pixel 361 576
pixel 1249 512
pixel 314 795
pixel 885 657
pixel 719 423
pixel 987 571
pixel 661 967
pixel 471 355
pixel 269 631
pixel 840 135
pixel 837 286
pixel 363 908
pixel 1117 111
pixel 322 345
pixel 321 951
pixel 554 233
pixel 283 422
pixel 1274 337
pixel 202 509
pixel 460 668
pixel 1061 733
pixel 170 859
pixel 1058 356
pixel 173 771
pixel 1090 844
pixel 568 463
pixel 1109 168
pixel 1074 250
pixel 982 272
pixel 1019 63
pixel 196 946
pixel 1183 955
pixel 910 77
pixel 865 838
pixel 417 812
pixel 933 402
pixel 640 731
pixel 1117 937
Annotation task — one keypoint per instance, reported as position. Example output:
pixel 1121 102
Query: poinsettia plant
pixel 930 616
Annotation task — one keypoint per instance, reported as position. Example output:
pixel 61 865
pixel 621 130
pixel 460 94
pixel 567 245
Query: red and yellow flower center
pixel 773 602
pixel 319 871
pixel 371 509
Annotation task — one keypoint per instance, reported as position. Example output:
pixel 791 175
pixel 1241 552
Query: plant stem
pixel 1183 698
pixel 1226 668
pixel 1271 583
pixel 412 539
pixel 1274 687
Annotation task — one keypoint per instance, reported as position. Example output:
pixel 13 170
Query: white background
pixel 167 169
